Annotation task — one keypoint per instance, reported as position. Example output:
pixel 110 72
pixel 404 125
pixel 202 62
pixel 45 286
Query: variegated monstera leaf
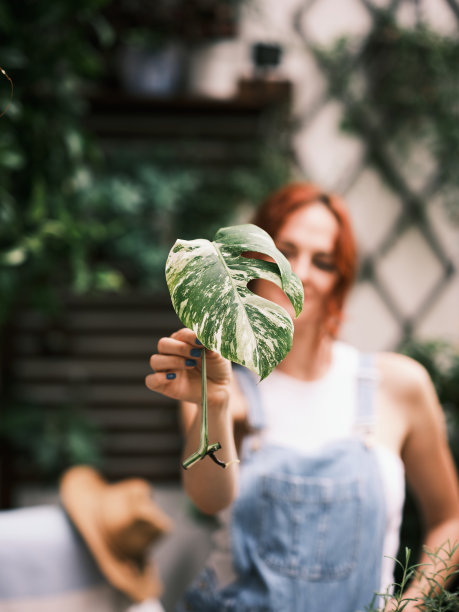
pixel 208 286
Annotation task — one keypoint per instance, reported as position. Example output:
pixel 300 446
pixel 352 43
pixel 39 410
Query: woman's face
pixel 307 239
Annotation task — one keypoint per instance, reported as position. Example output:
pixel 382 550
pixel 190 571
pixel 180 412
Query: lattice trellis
pixel 407 221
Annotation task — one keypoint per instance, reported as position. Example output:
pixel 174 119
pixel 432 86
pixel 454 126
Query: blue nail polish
pixel 195 352
pixel 190 362
pixel 197 342
pixel 170 375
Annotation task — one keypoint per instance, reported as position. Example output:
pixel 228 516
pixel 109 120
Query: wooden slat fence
pixel 95 356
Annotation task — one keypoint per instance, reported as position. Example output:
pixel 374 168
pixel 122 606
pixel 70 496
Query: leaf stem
pixel 204 447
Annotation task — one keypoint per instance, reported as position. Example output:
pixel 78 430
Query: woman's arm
pixel 177 374
pixel 431 476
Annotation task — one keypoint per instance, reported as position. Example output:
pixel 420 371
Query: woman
pixel 311 516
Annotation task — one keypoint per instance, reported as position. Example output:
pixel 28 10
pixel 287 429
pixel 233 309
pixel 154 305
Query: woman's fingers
pixel 181 386
pixel 163 363
pixel 186 335
pixel 176 385
pixel 172 346
pixel 174 366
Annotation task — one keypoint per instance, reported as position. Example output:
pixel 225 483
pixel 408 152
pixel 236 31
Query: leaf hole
pixel 264 287
pixel 256 255
pixel 267 289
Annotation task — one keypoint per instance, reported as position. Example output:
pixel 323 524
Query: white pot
pixel 147 71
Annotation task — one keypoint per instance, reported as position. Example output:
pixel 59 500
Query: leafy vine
pixel 400 87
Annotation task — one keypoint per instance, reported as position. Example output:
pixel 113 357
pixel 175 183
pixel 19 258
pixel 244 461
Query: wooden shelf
pixel 252 95
pixel 120 115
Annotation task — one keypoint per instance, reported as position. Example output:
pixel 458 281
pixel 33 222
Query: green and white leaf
pixel 208 286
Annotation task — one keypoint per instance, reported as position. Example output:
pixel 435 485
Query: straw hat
pixel 118 523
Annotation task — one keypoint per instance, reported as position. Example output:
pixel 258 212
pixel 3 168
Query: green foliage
pixel 400 84
pixel 146 199
pixel 131 210
pixel 72 218
pixel 436 597
pixel 49 441
pixel 50 53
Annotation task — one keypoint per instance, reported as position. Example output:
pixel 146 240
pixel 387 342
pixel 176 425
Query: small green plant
pixel 208 286
pixel 436 597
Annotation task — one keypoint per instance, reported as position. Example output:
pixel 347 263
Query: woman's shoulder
pixel 407 381
pixel 402 372
pixel 409 397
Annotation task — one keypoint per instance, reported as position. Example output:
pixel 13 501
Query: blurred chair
pixel 45 566
pixel 92 552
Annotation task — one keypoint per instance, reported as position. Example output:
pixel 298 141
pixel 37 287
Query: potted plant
pixel 157 43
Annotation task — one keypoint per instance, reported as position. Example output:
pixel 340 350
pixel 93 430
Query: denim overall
pixel 307 531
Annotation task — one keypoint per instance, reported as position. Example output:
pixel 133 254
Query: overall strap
pixel 367 377
pixel 248 384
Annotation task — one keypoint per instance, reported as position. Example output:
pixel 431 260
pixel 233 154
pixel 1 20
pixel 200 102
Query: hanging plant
pixel 401 85
pixel 208 286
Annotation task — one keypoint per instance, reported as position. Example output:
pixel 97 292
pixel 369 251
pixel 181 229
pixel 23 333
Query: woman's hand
pixel 177 374
pixel 177 370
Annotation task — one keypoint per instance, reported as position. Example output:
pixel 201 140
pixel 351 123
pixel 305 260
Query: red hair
pixel 273 213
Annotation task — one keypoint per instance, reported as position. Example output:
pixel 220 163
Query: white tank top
pixel 305 415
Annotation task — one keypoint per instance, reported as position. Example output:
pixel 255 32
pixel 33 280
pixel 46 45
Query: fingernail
pixel 190 362
pixel 195 352
pixel 171 375
pixel 197 342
